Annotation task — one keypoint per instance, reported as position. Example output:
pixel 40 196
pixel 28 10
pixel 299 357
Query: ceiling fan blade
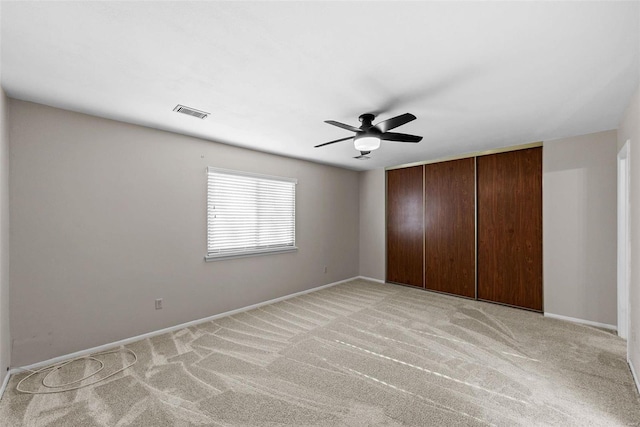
pixel 400 137
pixel 394 122
pixel 343 126
pixel 331 142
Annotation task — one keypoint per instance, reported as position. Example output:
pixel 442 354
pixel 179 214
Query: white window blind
pixel 249 214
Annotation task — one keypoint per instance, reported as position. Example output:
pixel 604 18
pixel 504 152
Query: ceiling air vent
pixel 191 111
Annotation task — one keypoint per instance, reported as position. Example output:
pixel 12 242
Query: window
pixel 249 214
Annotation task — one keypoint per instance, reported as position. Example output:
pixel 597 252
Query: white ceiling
pixel 477 75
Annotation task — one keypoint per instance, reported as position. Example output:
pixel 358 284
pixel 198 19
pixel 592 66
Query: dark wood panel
pixel 405 231
pixel 510 228
pixel 450 256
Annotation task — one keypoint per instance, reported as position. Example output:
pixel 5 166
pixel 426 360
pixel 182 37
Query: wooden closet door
pixel 510 228
pixel 405 231
pixel 450 256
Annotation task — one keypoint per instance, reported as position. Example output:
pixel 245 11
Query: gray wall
pixel 108 216
pixel 629 129
pixel 579 227
pixel 5 337
pixel 372 224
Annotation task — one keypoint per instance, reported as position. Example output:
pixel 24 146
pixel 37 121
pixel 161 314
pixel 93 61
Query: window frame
pixel 211 256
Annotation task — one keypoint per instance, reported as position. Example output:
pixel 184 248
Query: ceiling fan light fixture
pixel 366 143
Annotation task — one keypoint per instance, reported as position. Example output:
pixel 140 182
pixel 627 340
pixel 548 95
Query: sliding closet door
pixel 405 231
pixel 510 228
pixel 450 257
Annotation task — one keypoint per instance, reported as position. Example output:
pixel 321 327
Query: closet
pixel 449 212
pixel 405 226
pixel 510 228
pixel 470 227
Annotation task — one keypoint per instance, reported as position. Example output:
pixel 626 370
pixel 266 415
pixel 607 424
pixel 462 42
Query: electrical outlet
pixel 325 269
pixel 158 303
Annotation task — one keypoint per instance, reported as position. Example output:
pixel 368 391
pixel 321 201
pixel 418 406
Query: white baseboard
pixel 126 341
pixel 633 373
pixel 584 322
pixel 371 279
pixel 4 384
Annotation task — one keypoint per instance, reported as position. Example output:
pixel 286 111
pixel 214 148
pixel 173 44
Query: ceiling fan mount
pixel 368 136
pixel 366 119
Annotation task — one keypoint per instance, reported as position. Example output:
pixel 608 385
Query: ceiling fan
pixel 368 135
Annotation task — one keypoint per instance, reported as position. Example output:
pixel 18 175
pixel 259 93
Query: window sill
pixel 250 254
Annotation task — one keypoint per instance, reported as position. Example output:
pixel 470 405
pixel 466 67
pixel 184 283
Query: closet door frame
pixel 475 156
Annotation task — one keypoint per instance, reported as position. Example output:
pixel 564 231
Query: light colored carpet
pixel 356 354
